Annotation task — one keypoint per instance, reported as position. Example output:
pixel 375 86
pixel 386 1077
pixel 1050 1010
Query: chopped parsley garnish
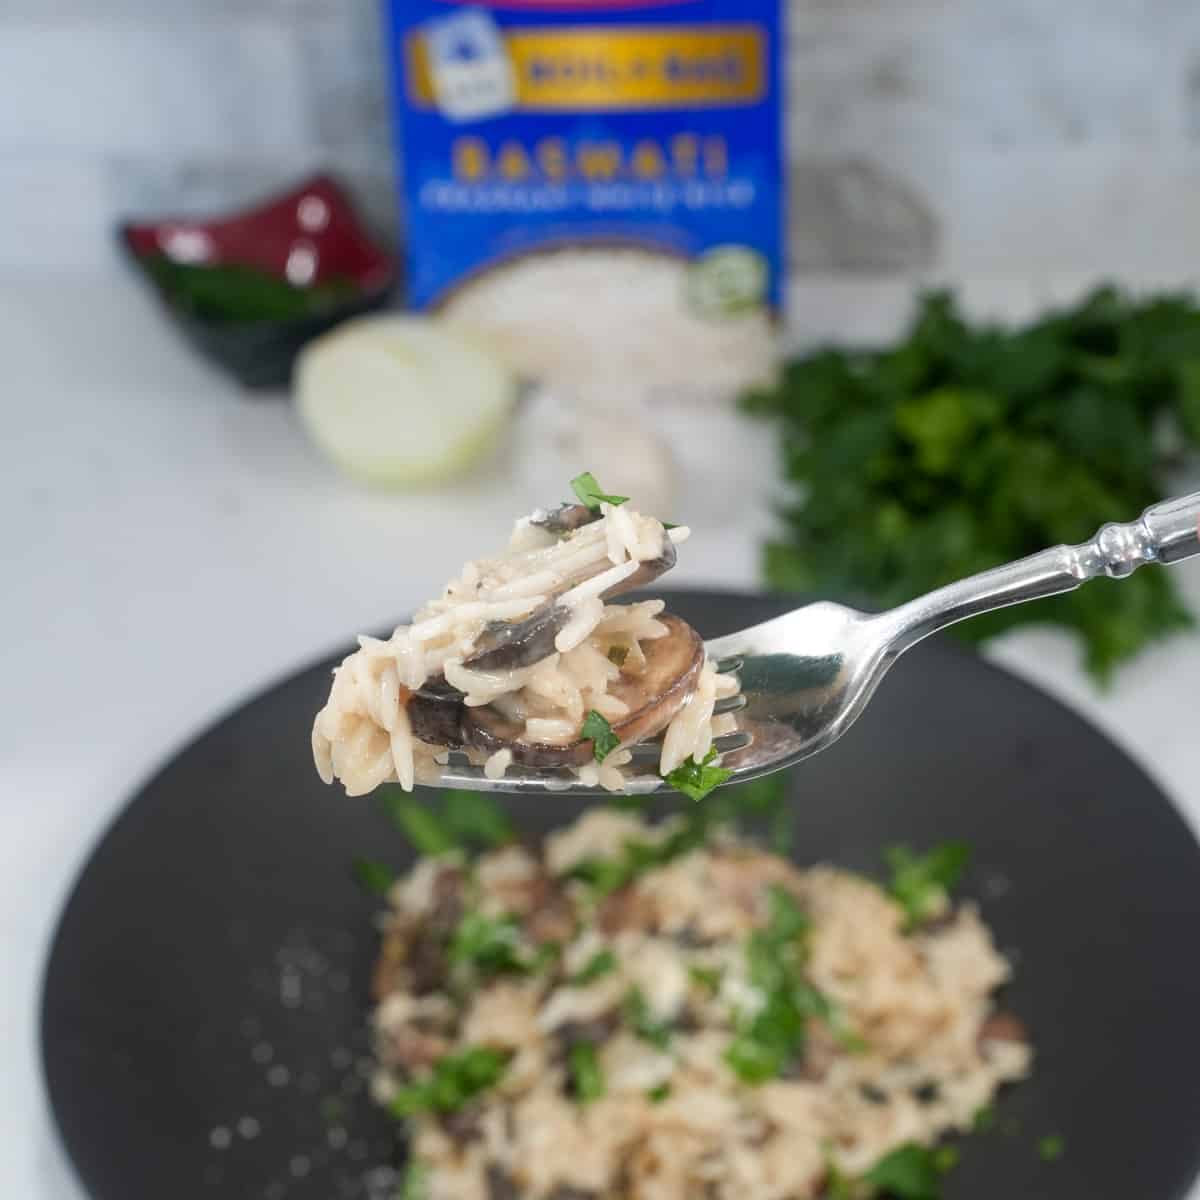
pixel 656 1095
pixel 912 1172
pixel 588 490
pixel 1051 1147
pixel 766 1041
pixel 920 881
pixel 475 817
pixel 599 965
pixel 492 946
pixel 414 1184
pixel 837 1185
pixel 983 1118
pixel 945 1158
pixel 617 655
pixel 696 779
pixel 375 877
pixel 455 1079
pixel 607 875
pixel 426 833
pixel 640 1017
pixel 599 732
pixel 587 1079
pixel 766 798
pixel 709 978
pixel 465 819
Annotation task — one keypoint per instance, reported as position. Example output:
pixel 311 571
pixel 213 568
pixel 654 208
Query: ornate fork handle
pixel 1165 533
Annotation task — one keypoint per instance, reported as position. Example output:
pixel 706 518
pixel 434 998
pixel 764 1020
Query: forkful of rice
pixel 525 676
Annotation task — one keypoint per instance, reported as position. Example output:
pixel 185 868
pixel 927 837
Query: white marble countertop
pixel 170 546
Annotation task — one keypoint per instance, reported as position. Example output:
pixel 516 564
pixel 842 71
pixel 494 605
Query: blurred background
pixel 186 519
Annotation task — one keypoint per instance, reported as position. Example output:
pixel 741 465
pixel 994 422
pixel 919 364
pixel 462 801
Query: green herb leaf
pixel 600 964
pixel 709 978
pixel 1051 1147
pixel 638 1015
pixel 656 1095
pixel 599 732
pixel 475 817
pixel 454 1080
pixel 586 1075
pixel 963 446
pixel 770 1039
pixel 588 490
pixel 696 779
pixel 426 833
pixel 490 945
pixel 617 655
pixel 983 1119
pixel 945 1158
pixel 921 882
pixel 838 1185
pixel 375 877
pixel 911 1172
pixel 415 1183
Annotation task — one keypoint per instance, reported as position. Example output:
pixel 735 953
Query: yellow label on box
pixel 614 68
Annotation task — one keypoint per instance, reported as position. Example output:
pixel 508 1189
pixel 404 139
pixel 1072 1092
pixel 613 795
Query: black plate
pixel 211 968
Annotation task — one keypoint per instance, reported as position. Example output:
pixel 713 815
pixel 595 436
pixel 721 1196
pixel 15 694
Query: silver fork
pixel 807 675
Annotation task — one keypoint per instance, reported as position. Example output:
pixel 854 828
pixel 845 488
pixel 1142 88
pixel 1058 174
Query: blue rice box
pixel 529 125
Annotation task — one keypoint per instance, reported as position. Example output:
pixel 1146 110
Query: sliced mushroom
pixel 654 696
pixel 511 645
pixel 566 518
pixel 1002 1027
pixel 435 713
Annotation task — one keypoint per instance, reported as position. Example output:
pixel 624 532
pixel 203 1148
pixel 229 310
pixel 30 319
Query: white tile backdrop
pixel 958 136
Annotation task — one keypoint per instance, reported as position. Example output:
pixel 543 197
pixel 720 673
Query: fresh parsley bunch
pixel 966 446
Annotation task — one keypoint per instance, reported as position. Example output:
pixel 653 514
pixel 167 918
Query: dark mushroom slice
pixel 435 712
pixel 566 518
pixel 654 696
pixel 511 645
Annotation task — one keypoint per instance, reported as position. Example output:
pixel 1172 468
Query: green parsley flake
pixel 491 946
pixel 920 882
pixel 1051 1147
pixel 376 877
pixel 709 978
pixel 984 1118
pixel 617 655
pixel 640 1018
pixel 588 490
pixel 912 1172
pixel 766 1042
pixel 600 964
pixel 696 779
pixel 455 1079
pixel 414 1185
pixel 426 833
pixel 475 817
pixel 599 732
pixel 586 1075
pixel 656 1095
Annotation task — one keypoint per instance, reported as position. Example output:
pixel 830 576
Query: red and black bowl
pixel 250 289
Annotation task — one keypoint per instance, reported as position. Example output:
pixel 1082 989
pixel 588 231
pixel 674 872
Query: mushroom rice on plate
pixel 630 1011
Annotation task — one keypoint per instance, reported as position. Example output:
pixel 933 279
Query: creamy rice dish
pixel 668 1012
pixel 522 660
